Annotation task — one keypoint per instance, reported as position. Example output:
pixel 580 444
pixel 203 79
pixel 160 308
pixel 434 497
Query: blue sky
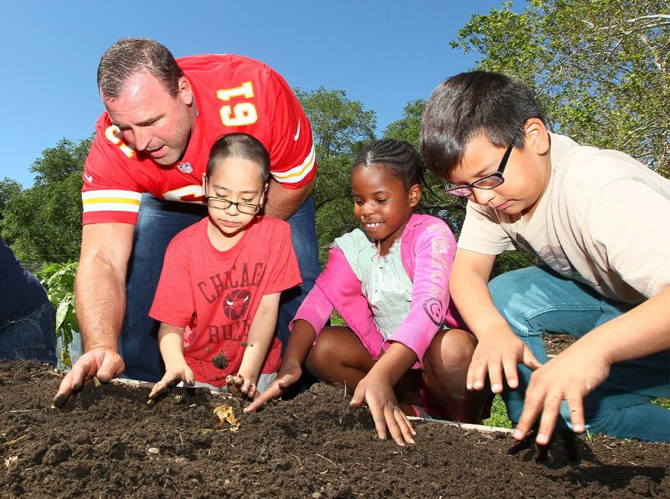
pixel 382 53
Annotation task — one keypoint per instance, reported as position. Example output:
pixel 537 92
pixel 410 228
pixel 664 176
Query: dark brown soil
pixel 110 442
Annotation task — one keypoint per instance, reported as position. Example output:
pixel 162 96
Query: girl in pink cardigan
pixel 403 350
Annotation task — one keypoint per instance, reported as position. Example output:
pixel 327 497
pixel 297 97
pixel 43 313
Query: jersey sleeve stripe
pixel 297 173
pixel 134 208
pixel 111 200
pixel 111 193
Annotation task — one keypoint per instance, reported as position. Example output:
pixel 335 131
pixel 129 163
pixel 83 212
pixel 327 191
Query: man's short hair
pixel 129 56
pixel 469 105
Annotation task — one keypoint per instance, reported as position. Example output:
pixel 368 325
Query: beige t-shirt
pixel 603 220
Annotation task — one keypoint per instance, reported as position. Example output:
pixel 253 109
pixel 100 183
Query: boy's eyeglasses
pixel 489 182
pixel 224 204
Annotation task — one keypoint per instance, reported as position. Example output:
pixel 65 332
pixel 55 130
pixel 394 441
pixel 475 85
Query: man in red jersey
pixel 143 184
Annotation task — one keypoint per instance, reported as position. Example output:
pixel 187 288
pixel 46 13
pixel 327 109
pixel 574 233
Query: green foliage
pixel 408 127
pixel 58 280
pixel 512 260
pixel 341 127
pixel 498 414
pixel 663 402
pixel 43 223
pixel 9 189
pixel 599 67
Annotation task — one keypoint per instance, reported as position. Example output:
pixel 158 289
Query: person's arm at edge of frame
pixel 259 339
pixel 282 202
pixel 171 344
pixel 100 297
pixel 498 349
pixel 299 343
pixel 586 363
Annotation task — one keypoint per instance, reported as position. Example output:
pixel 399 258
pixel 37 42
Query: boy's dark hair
pixel 130 56
pixel 471 104
pixel 402 159
pixel 240 145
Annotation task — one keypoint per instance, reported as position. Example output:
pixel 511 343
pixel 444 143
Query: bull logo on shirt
pixel 236 303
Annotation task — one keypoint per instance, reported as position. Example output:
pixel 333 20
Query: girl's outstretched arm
pixel 171 343
pixel 261 333
pixel 376 389
pixel 299 343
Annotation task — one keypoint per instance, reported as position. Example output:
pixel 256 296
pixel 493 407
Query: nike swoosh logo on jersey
pixel 89 178
pixel 297 134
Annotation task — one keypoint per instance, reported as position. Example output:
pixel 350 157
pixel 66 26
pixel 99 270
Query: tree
pixel 435 202
pixel 600 68
pixel 43 222
pixel 9 188
pixel 340 127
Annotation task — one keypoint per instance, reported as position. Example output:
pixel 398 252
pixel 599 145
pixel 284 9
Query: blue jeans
pixel 536 301
pixel 31 337
pixel 158 222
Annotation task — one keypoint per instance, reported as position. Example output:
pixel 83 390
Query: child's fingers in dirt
pixel 158 389
pixel 273 391
pixel 398 426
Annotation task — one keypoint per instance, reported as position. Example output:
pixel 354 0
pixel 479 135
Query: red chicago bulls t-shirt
pixel 215 294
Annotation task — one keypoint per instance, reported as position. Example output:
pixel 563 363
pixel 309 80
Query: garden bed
pixel 110 442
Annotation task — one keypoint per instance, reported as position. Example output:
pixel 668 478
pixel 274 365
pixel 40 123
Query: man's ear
pixel 184 91
pixel 537 136
pixel 415 192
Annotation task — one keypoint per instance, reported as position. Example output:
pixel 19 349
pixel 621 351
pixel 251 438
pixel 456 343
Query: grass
pixel 663 402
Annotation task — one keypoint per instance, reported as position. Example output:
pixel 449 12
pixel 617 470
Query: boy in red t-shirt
pixel 218 294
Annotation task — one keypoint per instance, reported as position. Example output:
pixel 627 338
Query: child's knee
pixel 450 351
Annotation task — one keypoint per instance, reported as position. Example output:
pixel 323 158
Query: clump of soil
pixel 220 361
pixel 110 442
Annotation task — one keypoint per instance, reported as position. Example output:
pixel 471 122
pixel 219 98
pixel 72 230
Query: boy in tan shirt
pixel 598 220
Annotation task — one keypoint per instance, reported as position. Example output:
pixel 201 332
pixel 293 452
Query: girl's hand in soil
pixel 241 385
pixel 103 363
pixel 383 405
pixel 173 375
pixel 285 378
pixel 499 355
pixel 569 376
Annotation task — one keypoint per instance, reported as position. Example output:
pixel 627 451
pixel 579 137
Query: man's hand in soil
pixel 285 378
pixel 499 355
pixel 569 376
pixel 241 385
pixel 383 405
pixel 103 363
pixel 173 375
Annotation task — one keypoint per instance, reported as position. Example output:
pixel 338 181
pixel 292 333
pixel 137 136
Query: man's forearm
pixel 100 296
pixel 283 202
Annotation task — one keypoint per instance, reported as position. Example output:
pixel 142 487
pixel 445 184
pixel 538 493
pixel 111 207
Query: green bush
pixel 58 280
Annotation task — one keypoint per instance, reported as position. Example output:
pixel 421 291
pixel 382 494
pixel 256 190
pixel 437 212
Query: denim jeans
pixel 31 337
pixel 158 222
pixel 535 301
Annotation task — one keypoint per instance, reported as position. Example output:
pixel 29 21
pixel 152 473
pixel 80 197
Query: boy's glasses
pixel 489 182
pixel 224 204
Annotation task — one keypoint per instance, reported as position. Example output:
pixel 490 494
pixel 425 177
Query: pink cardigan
pixel 427 250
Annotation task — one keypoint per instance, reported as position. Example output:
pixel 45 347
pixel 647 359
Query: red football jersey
pixel 232 94
pixel 215 294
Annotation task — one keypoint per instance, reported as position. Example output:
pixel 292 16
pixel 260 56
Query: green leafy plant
pixel 58 280
pixel 498 414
